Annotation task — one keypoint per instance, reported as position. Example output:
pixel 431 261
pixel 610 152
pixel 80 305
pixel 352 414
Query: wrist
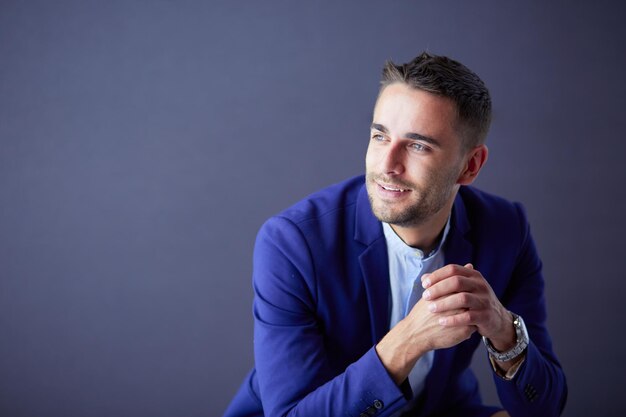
pixel 397 354
pixel 393 361
pixel 518 349
pixel 506 338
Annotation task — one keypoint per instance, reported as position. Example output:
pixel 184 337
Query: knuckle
pixel 464 298
pixel 471 316
pixel 453 282
pixel 449 269
pixel 467 316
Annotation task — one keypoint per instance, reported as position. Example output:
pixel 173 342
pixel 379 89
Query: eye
pixel 416 146
pixel 378 137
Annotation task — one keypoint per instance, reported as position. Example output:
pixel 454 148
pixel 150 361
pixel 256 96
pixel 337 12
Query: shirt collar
pixel 397 245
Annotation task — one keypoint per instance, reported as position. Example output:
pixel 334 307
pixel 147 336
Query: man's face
pixel 414 157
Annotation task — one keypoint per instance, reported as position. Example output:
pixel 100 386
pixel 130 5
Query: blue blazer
pixel 321 285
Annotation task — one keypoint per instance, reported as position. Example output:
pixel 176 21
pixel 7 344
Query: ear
pixel 476 158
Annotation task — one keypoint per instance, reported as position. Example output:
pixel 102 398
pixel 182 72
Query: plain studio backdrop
pixel 143 143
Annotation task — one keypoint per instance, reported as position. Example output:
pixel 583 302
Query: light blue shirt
pixel 406 267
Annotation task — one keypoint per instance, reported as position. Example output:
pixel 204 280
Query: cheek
pixel 374 156
pixel 369 158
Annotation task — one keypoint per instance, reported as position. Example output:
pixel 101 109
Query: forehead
pixel 403 109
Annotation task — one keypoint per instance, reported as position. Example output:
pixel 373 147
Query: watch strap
pixel 520 345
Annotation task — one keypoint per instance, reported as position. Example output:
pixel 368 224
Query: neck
pixel 426 235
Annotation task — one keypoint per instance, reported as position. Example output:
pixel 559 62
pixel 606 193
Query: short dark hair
pixel 448 78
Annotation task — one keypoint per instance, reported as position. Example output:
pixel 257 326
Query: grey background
pixel 142 144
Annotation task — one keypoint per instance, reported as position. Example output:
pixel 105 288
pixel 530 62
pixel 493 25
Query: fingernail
pixel 442 321
pixel 426 295
pixel 425 283
pixel 432 307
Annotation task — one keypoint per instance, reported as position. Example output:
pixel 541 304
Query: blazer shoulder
pixel 482 204
pixel 493 215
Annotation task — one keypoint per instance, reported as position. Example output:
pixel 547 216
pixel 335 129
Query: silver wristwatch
pixel 520 346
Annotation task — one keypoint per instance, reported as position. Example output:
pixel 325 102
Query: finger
pixel 462 300
pixel 448 286
pixel 465 318
pixel 469 266
pixel 443 273
pixel 459 319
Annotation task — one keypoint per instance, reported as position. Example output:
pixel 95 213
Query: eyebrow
pixel 410 135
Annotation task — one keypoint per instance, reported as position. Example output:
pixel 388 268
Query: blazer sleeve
pixel 539 388
pixel 294 374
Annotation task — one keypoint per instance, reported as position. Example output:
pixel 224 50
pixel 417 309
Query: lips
pixel 391 192
pixel 393 188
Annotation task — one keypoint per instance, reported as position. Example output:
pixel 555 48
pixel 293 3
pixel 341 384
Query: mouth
pixel 392 188
pixel 391 192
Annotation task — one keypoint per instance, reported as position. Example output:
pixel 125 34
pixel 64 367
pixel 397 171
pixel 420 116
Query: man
pixel 372 295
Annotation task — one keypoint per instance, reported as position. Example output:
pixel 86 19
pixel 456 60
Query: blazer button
pixel 378 404
pixel 531 392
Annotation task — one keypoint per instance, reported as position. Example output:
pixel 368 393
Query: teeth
pixel 393 189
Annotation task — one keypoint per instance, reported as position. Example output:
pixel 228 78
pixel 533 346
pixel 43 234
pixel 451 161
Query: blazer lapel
pixel 457 249
pixel 374 265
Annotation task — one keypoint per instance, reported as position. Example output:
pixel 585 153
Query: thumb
pixel 470 266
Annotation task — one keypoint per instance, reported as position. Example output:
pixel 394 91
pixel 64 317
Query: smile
pixel 392 188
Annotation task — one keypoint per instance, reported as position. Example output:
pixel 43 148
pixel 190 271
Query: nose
pixel 393 159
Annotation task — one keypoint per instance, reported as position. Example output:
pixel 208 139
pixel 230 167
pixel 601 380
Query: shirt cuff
pixel 510 374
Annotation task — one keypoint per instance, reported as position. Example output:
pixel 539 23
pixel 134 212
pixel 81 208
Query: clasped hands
pixel 457 301
pixel 460 296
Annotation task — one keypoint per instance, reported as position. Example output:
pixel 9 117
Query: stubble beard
pixel 426 201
